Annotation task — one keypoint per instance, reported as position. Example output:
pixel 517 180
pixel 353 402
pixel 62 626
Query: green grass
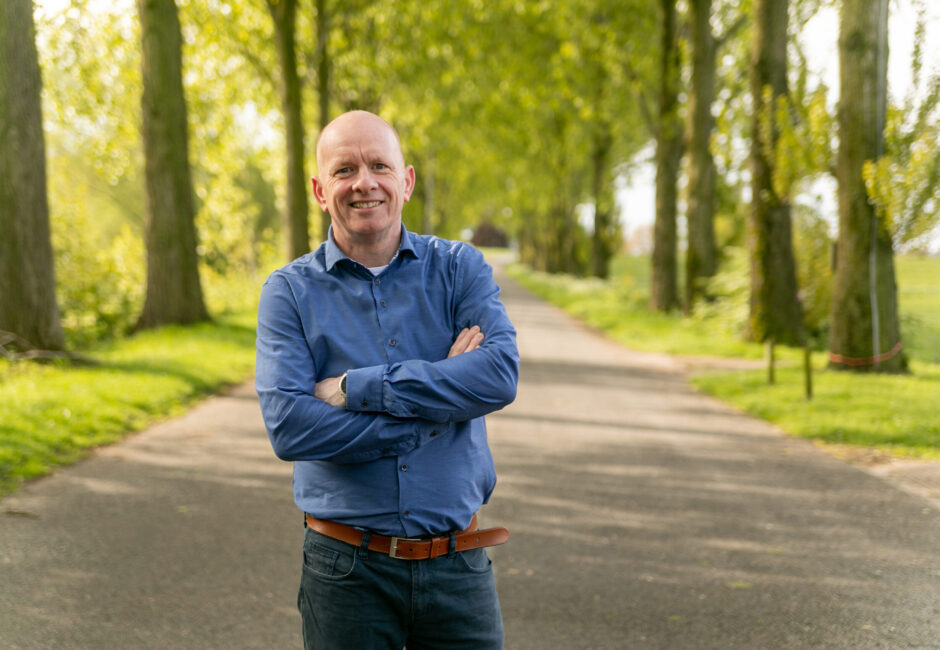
pixel 919 297
pixel 52 414
pixel 896 414
pixel 618 308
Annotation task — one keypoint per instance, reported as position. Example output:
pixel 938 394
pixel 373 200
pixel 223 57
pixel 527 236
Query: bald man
pixel 379 353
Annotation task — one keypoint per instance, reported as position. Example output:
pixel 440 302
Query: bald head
pixel 355 121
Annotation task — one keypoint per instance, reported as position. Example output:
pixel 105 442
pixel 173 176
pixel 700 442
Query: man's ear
pixel 318 194
pixel 409 182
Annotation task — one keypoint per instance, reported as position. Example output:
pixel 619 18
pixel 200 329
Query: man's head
pixel 362 180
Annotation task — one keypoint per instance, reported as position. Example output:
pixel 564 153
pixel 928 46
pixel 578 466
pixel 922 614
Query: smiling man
pixel 379 353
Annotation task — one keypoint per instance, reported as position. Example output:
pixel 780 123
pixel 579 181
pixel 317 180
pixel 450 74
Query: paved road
pixel 643 515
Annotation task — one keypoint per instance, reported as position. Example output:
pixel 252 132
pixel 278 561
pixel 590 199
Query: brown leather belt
pixel 406 548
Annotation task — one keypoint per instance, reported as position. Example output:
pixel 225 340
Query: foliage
pixel 905 183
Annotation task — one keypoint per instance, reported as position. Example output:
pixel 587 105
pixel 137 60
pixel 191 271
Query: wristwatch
pixel 342 386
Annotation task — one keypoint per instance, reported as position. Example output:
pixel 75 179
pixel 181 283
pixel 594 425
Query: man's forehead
pixel 349 145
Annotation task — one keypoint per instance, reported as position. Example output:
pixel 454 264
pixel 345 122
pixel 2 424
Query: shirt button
pixel 383 303
pixel 365 403
pixel 377 282
pixel 433 433
pixel 392 342
pixel 404 468
pixel 407 513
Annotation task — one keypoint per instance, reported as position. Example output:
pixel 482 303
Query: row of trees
pixel 520 115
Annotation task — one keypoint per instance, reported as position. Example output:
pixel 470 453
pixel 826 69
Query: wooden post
pixel 808 372
pixel 771 379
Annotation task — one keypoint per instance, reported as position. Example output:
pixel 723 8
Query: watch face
pixel 342 385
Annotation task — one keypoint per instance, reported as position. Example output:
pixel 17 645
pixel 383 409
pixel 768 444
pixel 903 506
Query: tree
pixel 864 331
pixel 323 82
pixel 174 293
pixel 775 312
pixel 664 293
pixel 28 306
pixel 284 14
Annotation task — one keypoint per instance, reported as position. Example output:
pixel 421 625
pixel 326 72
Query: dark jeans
pixel 355 599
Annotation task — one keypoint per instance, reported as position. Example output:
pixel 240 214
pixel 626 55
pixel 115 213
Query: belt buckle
pixel 393 547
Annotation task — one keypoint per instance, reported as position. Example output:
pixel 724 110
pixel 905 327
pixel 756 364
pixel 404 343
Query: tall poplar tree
pixel 864 332
pixel 284 14
pixel 174 294
pixel 701 257
pixel 775 312
pixel 323 82
pixel 27 279
pixel 664 292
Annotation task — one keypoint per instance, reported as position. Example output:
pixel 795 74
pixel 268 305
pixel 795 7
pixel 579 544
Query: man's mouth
pixel 365 204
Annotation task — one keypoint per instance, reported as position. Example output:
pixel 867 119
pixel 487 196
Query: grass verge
pixel 52 414
pixel 895 414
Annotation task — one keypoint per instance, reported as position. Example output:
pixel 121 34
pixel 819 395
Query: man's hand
pixel 328 391
pixel 467 341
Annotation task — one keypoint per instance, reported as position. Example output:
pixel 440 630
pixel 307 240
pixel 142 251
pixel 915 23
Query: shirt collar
pixel 334 254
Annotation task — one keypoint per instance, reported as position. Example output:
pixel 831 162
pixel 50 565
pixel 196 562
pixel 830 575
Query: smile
pixel 365 204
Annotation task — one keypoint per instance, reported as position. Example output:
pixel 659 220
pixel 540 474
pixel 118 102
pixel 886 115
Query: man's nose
pixel 365 181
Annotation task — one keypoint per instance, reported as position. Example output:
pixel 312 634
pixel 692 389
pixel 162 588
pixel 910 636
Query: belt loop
pixel 452 545
pixel 364 545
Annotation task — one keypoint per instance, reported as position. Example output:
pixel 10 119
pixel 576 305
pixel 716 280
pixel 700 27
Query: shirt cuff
pixel 364 389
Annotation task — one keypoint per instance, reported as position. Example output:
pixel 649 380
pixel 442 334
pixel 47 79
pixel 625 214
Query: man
pixel 378 356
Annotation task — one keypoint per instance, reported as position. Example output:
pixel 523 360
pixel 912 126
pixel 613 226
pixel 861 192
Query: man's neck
pixel 370 254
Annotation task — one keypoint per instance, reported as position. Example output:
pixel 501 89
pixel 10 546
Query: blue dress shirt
pixel 408 456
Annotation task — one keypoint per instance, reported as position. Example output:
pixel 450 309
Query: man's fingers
pixel 468 340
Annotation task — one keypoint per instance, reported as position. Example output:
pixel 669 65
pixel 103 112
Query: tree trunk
pixel 864 323
pixel 701 259
pixel 602 240
pixel 174 294
pixel 323 84
pixel 775 312
pixel 284 13
pixel 27 278
pixel 664 293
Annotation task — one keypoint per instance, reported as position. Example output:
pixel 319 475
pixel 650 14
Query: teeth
pixel 365 204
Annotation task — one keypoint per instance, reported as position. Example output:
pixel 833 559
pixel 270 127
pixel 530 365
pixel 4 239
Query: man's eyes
pixel 345 171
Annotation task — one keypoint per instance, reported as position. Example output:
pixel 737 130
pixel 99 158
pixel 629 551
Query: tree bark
pixel 664 294
pixel 602 239
pixel 701 258
pixel 323 83
pixel 174 294
pixel 284 14
pixel 28 306
pixel 775 312
pixel 864 292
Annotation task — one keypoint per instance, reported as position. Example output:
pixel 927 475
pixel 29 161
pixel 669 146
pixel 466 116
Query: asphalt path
pixel 643 515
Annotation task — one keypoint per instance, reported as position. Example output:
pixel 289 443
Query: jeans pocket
pixel 475 560
pixel 325 562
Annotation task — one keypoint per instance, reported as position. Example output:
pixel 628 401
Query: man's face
pixel 363 181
